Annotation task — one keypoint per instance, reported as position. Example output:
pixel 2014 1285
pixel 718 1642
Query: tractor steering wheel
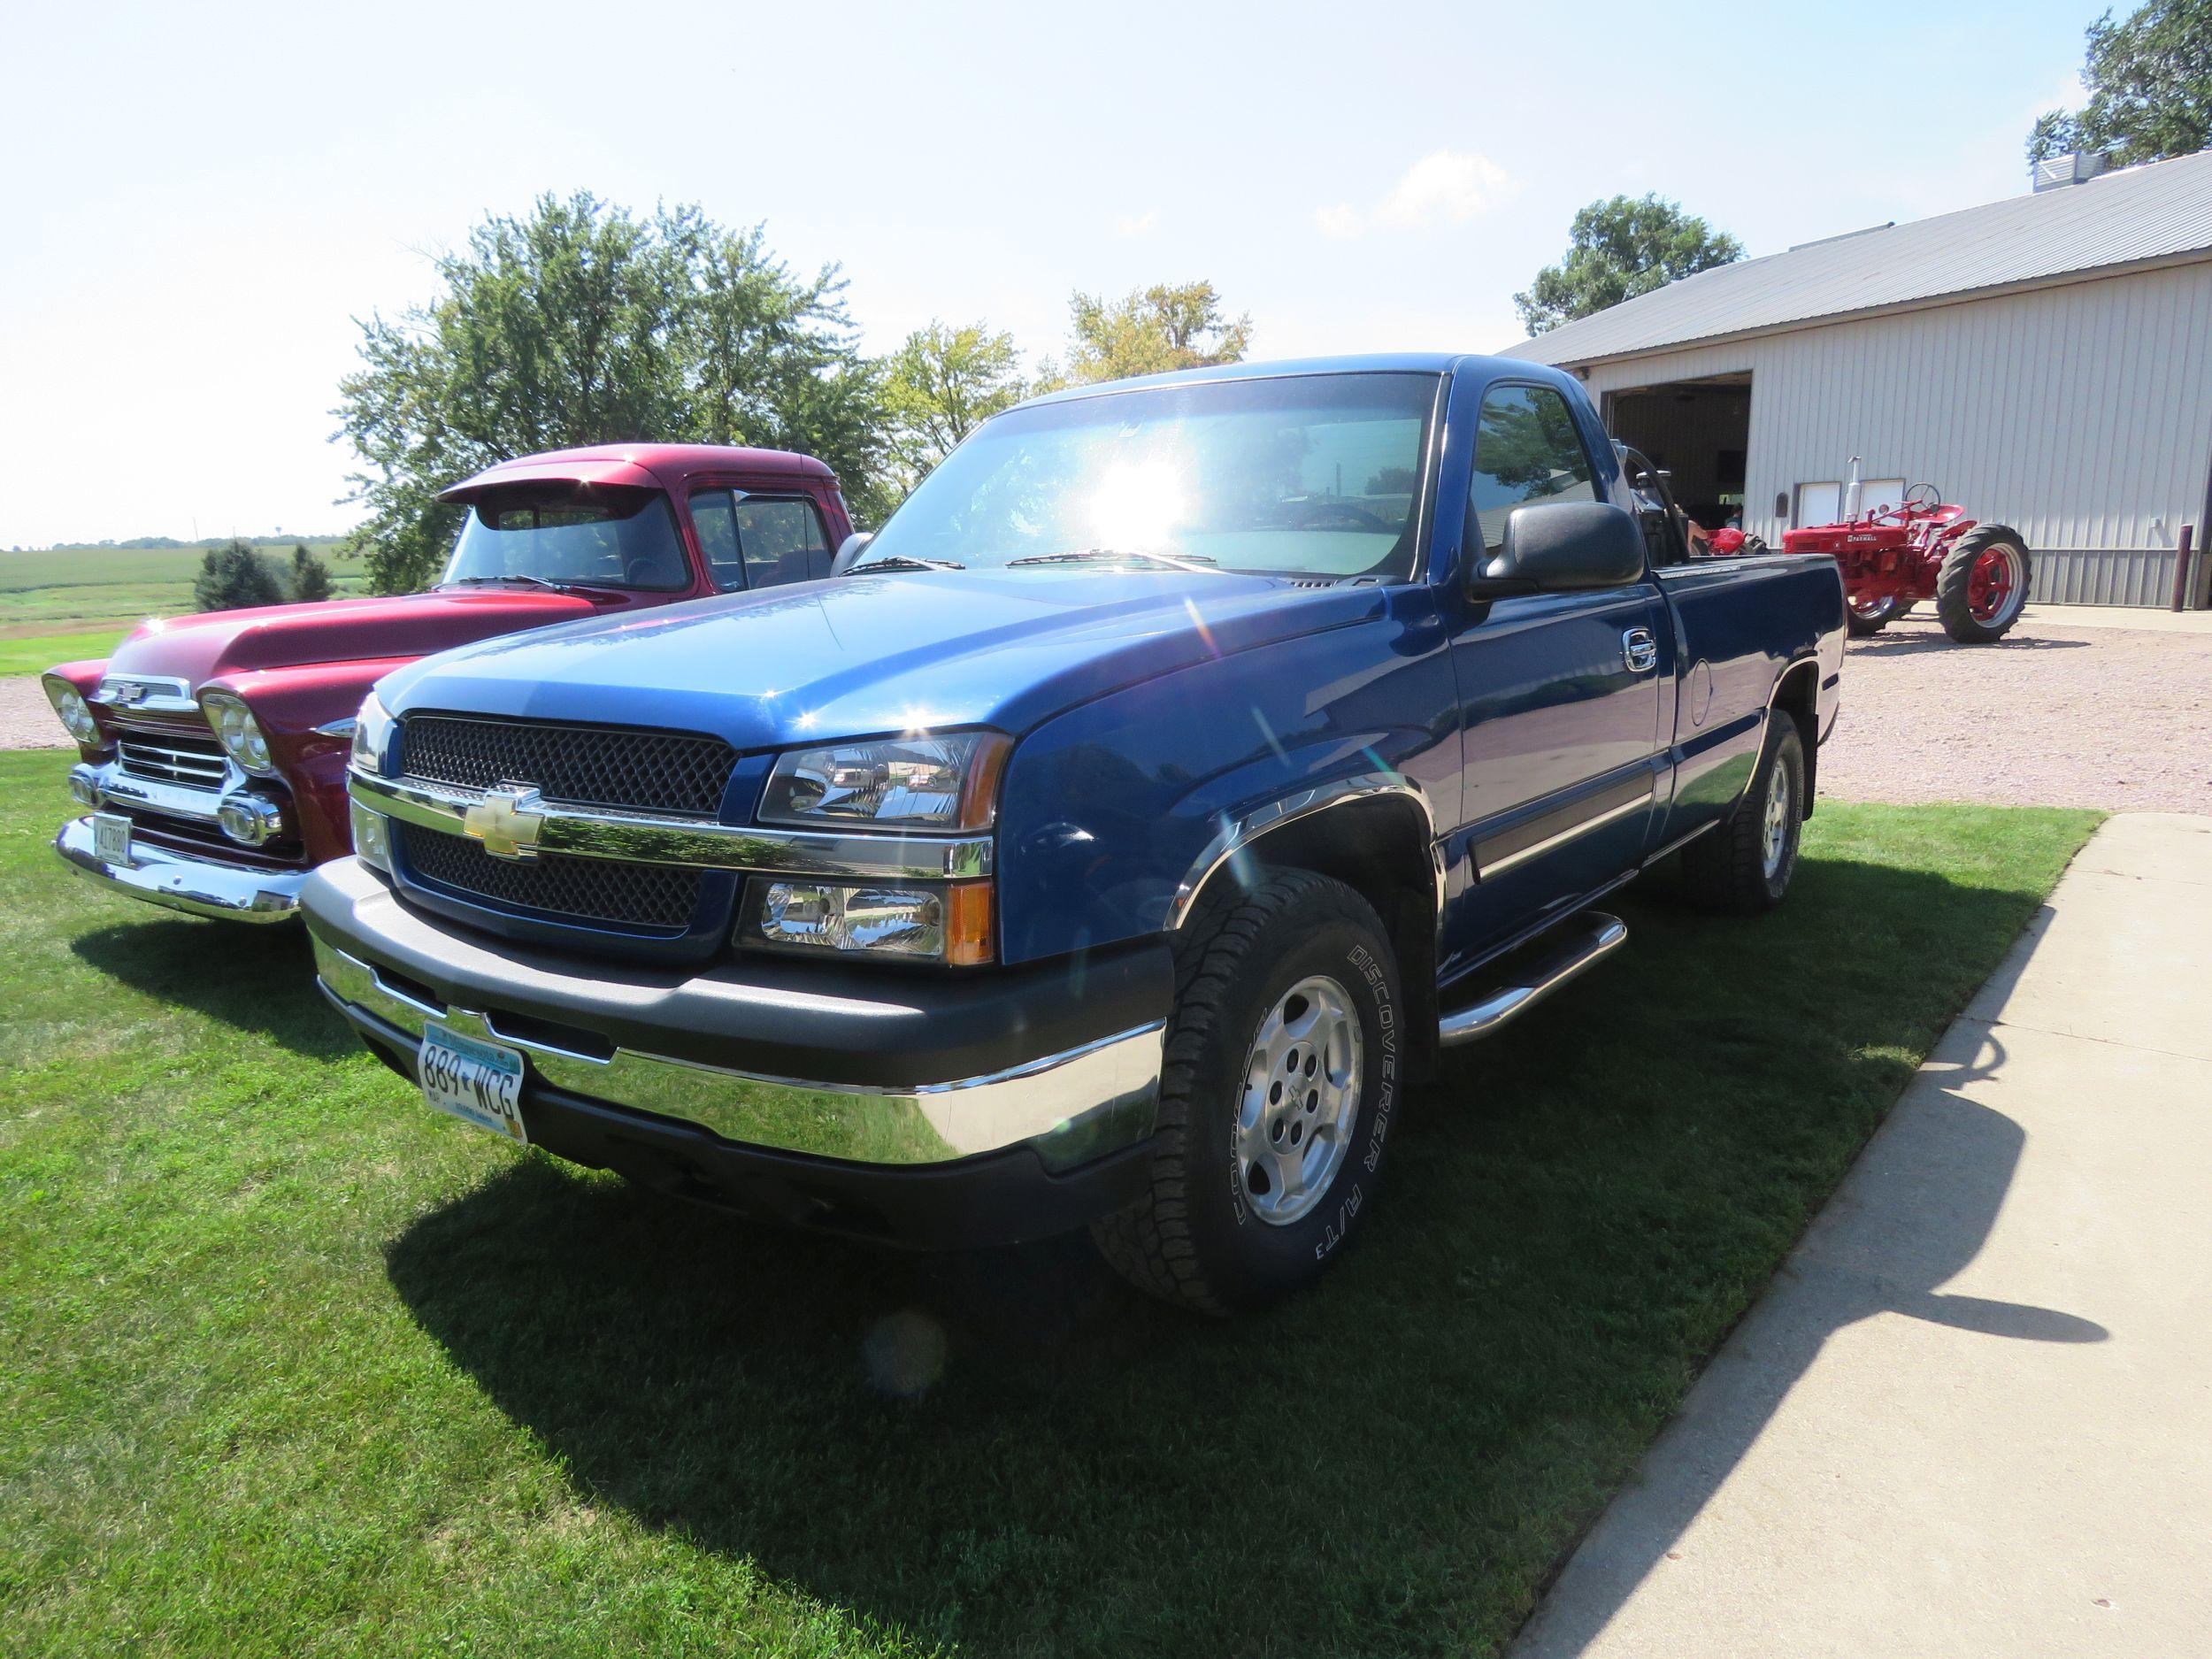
pixel 1920 500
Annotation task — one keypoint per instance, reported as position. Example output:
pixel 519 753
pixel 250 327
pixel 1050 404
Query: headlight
pixel 939 783
pixel 70 704
pixel 371 837
pixel 372 735
pixel 951 924
pixel 237 730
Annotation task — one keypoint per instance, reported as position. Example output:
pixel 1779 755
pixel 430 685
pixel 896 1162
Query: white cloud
pixel 1137 224
pixel 1444 186
pixel 1341 221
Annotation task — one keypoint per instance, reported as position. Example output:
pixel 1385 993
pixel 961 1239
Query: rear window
pixel 619 539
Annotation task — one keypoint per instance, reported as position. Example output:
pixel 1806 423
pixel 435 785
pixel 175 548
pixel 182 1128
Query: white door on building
pixel 1819 504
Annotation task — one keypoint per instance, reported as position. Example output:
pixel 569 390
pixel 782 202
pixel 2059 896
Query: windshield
pixel 627 540
pixel 1310 475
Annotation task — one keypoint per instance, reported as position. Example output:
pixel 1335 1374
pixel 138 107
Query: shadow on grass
pixel 256 979
pixel 1007 1450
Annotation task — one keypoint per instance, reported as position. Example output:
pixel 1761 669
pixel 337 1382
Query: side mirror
pixel 849 549
pixel 1562 545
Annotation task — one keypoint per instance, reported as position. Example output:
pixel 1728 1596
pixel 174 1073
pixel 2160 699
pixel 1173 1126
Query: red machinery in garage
pixel 1924 549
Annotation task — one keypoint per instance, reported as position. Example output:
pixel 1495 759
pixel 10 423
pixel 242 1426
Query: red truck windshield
pixel 629 541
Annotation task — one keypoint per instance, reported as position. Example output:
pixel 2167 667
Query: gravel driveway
pixel 26 719
pixel 2052 716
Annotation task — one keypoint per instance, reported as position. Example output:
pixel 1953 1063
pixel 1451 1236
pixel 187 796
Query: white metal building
pixel 2045 360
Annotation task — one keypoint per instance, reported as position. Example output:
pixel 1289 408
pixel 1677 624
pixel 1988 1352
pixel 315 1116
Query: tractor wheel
pixel 1863 619
pixel 1983 584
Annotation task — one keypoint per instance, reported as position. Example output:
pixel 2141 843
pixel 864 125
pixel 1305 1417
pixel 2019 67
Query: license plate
pixel 479 1083
pixel 110 838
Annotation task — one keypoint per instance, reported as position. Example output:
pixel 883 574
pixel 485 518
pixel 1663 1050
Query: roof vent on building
pixel 2076 166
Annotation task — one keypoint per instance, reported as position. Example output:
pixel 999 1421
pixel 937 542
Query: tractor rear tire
pixel 1975 618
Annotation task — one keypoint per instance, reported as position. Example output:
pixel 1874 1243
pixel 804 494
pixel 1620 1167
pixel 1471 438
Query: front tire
pixel 1284 1055
pixel 1743 868
pixel 1864 621
pixel 1983 585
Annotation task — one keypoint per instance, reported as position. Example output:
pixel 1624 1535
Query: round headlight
pixel 236 729
pixel 69 703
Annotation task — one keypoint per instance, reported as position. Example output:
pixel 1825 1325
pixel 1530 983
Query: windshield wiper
pixel 1114 555
pixel 534 581
pixel 905 562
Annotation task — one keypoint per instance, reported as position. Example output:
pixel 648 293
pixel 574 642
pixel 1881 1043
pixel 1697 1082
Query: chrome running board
pixel 1527 976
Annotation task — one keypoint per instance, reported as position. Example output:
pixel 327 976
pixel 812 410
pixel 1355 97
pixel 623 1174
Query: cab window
pixel 1527 450
pixel 759 540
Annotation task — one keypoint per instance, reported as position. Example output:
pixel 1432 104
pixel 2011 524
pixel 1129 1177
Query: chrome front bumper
pixel 1070 1106
pixel 199 887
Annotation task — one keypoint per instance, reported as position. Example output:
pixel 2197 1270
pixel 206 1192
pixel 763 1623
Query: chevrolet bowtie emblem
pixel 507 821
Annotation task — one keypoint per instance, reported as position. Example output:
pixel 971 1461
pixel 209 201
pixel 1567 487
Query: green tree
pixel 234 576
pixel 1148 332
pixel 2150 87
pixel 583 324
pixel 939 387
pixel 1616 250
pixel 310 577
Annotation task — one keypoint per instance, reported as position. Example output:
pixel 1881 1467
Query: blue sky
pixel 200 199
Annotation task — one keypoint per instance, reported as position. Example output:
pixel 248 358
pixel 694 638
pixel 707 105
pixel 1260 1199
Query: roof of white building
pixel 2159 211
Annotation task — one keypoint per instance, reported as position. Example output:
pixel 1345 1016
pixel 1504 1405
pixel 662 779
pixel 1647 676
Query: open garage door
pixel 1697 430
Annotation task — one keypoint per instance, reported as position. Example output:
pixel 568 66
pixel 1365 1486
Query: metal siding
pixel 2160 211
pixel 2079 415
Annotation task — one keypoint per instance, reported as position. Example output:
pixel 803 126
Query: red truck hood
pixel 199 648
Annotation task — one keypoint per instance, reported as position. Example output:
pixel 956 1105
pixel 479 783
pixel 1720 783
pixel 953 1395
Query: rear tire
pixel 1743 868
pixel 1980 611
pixel 1254 1188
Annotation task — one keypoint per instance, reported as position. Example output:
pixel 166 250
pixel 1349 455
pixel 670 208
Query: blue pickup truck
pixel 1109 841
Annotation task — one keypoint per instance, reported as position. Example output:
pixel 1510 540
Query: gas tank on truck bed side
pixel 1110 842
pixel 214 746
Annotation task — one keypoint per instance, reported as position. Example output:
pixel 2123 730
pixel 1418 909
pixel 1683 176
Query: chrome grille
pixel 587 889
pixel 194 763
pixel 580 765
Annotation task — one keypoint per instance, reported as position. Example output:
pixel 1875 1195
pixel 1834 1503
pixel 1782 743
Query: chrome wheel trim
pixel 1299 1098
pixel 1774 830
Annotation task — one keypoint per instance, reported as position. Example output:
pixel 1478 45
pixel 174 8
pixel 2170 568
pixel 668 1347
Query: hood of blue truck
pixel 868 653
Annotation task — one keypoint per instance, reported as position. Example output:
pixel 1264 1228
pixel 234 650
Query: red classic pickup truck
pixel 214 746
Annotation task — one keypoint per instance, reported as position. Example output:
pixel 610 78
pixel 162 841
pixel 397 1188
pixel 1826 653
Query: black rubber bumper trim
pixel 997 1198
pixel 826 1022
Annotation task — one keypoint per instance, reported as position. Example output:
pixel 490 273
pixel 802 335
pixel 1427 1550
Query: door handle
pixel 1639 650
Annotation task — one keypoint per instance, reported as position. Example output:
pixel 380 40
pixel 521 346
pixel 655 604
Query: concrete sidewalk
pixel 1974 1413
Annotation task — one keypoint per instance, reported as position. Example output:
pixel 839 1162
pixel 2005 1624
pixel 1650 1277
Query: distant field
pixel 38 652
pixel 102 593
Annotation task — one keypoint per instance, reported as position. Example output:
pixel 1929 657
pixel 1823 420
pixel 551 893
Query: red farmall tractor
pixel 1923 549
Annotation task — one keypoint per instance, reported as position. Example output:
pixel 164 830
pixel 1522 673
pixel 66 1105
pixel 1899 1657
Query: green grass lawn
pixel 100 594
pixel 290 1365
pixel 39 652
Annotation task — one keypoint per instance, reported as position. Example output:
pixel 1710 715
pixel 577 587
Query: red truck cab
pixel 214 746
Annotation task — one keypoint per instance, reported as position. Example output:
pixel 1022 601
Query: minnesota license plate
pixel 479 1083
pixel 110 838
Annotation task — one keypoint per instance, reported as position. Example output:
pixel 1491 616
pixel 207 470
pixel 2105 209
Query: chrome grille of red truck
pixel 583 765
pixel 191 762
